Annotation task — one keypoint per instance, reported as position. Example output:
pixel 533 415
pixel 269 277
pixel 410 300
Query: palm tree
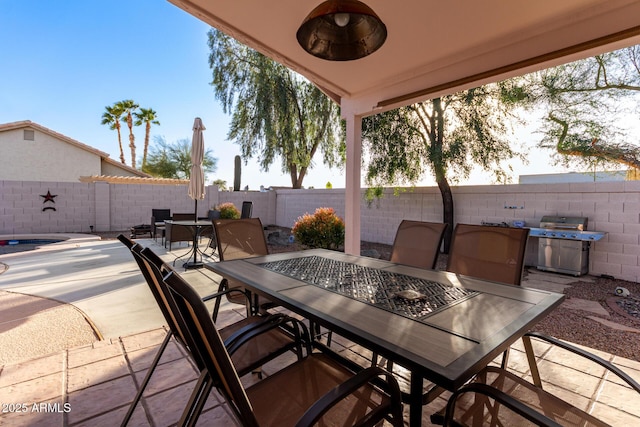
pixel 112 118
pixel 128 106
pixel 148 117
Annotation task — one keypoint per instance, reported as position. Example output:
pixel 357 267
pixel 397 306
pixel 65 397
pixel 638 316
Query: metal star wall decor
pixel 49 198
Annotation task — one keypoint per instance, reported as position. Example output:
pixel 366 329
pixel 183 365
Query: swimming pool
pixel 11 246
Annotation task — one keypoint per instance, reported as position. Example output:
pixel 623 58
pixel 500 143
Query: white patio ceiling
pixel 433 47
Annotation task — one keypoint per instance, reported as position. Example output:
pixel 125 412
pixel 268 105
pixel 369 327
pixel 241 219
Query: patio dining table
pixel 195 227
pixel 440 326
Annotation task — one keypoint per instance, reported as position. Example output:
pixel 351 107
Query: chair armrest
pixel 504 399
pixel 248 332
pixel 224 292
pixel 326 402
pixel 594 358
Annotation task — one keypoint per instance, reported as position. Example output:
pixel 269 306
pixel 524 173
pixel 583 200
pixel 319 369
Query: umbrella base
pixel 191 265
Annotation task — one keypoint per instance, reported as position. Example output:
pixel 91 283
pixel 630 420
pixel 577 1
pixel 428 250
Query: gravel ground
pixel 563 323
pixel 31 327
pixel 575 326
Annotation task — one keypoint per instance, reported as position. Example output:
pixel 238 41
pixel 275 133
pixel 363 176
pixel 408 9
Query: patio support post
pixel 352 185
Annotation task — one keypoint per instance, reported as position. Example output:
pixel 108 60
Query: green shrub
pixel 228 211
pixel 324 229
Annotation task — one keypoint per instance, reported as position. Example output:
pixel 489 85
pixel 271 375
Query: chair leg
pixel 505 358
pixel 531 358
pixel 146 379
pixel 197 400
pixel 216 307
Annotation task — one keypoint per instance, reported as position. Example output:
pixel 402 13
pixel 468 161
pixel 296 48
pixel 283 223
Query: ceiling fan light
pixel 341 30
pixel 342 19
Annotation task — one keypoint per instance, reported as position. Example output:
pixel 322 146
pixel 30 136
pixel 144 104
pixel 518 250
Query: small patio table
pixel 441 326
pixel 195 227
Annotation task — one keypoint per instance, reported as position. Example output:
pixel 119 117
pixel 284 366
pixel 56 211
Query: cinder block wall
pixel 612 207
pixel 24 209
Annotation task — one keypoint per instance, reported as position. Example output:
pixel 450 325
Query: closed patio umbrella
pixel 196 180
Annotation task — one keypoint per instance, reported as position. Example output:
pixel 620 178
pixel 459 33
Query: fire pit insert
pixel 563 244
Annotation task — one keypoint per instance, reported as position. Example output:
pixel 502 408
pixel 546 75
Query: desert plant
pixel 324 229
pixel 237 172
pixel 228 211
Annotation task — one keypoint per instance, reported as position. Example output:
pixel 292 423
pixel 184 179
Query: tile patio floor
pixel 94 384
pixel 97 383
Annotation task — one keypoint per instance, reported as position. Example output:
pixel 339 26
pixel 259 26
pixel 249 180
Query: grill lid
pixel 565 227
pixel 576 223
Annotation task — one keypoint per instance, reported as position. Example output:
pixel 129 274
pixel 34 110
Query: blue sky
pixel 63 62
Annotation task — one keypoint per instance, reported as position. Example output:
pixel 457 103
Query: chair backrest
pixel 153 270
pixel 183 216
pixel 247 210
pixel 158 270
pixel 240 238
pixel 417 243
pixel 178 233
pixel 161 214
pixel 488 252
pixel 205 343
pixel 126 241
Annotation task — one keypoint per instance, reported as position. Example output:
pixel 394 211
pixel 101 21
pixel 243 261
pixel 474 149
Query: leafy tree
pixel 446 136
pixel 221 183
pixel 174 160
pixel 112 117
pixel 275 112
pixel 128 106
pixel 583 102
pixel 147 116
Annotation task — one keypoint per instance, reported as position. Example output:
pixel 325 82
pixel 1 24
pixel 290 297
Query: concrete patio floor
pixel 94 384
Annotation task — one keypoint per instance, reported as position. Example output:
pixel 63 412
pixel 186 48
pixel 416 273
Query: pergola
pixel 433 48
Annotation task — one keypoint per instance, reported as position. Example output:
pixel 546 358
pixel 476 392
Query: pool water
pixel 21 245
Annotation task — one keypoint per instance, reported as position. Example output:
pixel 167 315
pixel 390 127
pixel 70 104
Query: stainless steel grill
pixel 563 244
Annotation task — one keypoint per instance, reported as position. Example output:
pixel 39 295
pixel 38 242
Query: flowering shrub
pixel 228 211
pixel 324 229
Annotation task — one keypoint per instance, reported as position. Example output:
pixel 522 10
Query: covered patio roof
pixel 433 48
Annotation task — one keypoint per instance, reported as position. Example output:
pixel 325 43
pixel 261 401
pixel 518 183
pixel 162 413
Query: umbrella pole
pixel 195 243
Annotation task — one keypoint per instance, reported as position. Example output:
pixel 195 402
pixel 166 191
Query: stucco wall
pixel 44 159
pixel 109 169
pixel 612 207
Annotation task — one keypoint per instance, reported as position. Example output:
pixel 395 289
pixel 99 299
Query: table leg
pixel 415 400
pixel 195 263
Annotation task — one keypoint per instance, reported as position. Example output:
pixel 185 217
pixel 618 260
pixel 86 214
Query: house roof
pixel 28 124
pixel 433 47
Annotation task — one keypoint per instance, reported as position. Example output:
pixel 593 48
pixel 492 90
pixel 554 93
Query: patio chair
pixel 417 243
pixel 178 233
pixel 488 252
pixel 269 341
pixel 247 210
pixel 316 389
pixel 237 239
pixel 485 252
pixel 498 397
pixel 158 217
